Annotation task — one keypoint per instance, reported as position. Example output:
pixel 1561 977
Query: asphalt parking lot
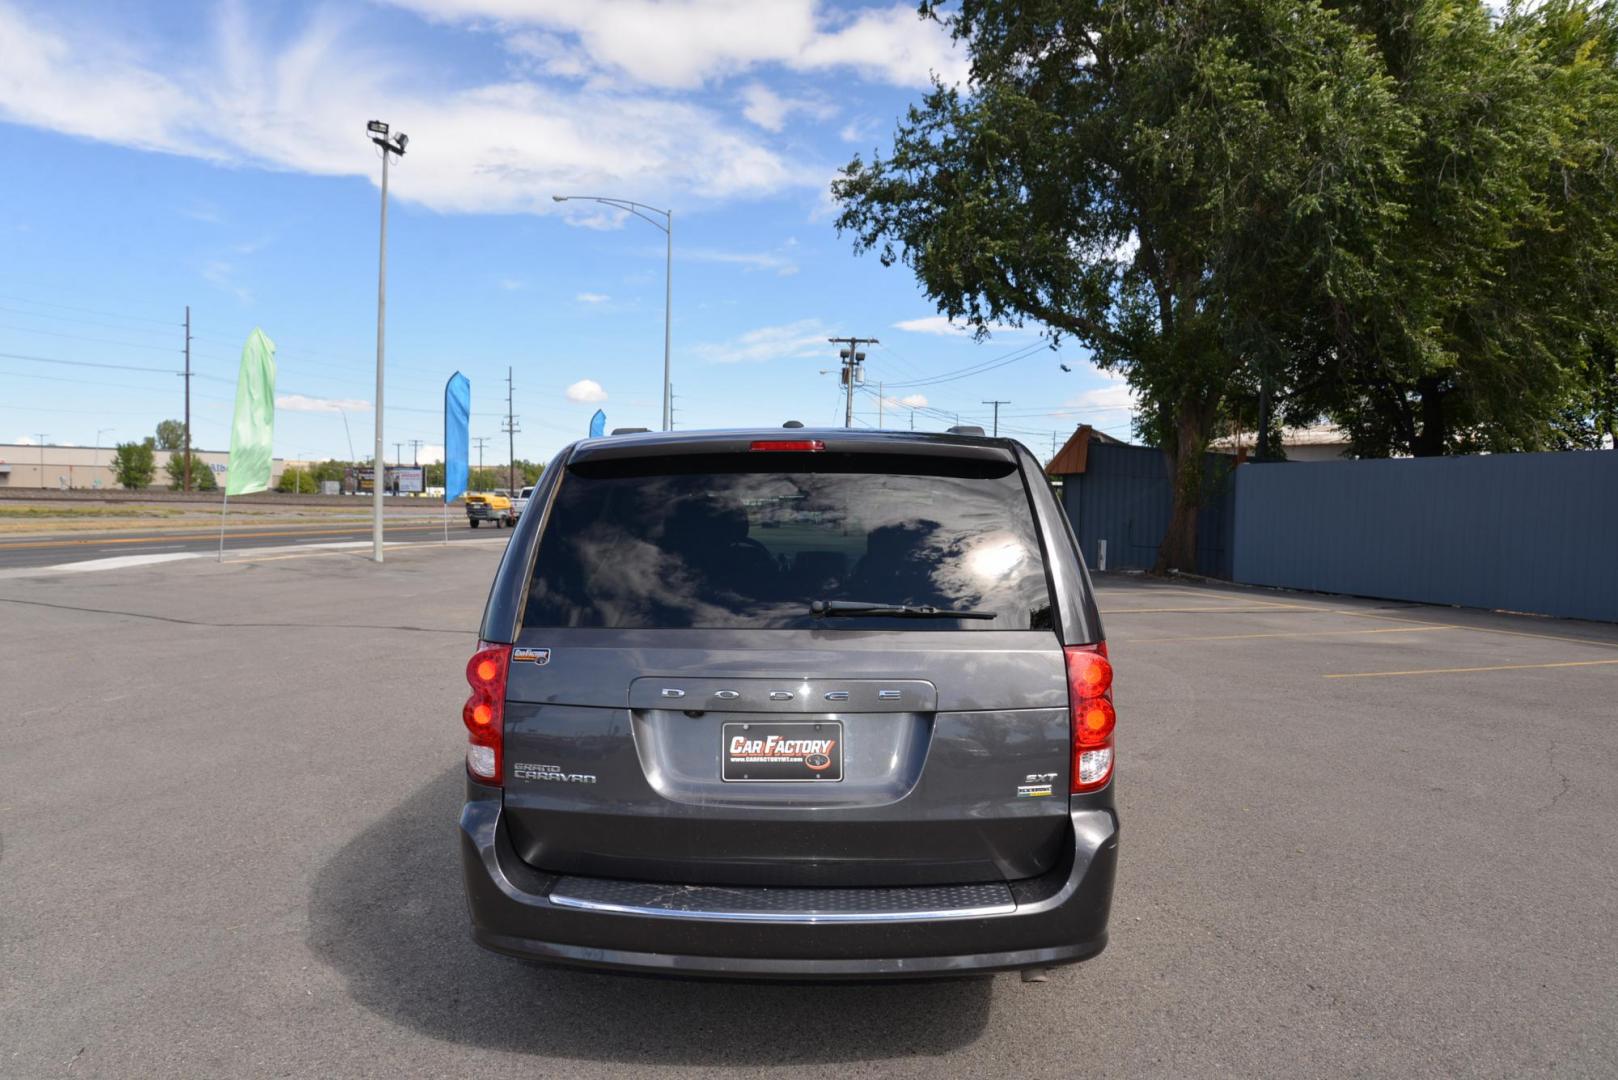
pixel 1358 839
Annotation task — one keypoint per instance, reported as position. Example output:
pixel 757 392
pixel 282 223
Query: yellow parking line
pixel 1483 629
pixel 1459 670
pixel 196 535
pixel 1298 634
pixel 1187 610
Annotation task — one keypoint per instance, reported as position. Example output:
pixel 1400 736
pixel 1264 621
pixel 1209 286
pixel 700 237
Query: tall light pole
pixel 641 210
pixel 390 146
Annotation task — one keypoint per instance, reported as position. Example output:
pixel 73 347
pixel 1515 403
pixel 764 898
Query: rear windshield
pixel 750 541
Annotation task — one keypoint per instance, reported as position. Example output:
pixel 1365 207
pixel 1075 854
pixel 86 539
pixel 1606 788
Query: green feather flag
pixel 252 432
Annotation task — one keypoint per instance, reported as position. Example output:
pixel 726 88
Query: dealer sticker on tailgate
pixel 774 752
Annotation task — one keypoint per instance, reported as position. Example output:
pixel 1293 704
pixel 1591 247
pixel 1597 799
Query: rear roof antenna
pixel 793 424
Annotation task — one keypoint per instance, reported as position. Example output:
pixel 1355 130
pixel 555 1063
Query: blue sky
pixel 159 154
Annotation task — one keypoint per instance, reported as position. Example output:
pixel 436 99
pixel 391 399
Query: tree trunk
pixel 1434 435
pixel 1178 551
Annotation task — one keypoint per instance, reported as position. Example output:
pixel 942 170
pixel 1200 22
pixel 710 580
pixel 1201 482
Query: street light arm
pixel 627 205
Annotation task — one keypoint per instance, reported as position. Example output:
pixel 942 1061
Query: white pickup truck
pixel 520 503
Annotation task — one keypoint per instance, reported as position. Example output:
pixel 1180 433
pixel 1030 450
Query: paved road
pixel 1359 840
pixel 96 543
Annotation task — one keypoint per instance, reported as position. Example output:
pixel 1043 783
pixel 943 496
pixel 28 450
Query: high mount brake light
pixel 485 712
pixel 1089 695
pixel 789 445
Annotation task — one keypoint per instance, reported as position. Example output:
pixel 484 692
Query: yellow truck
pixel 492 506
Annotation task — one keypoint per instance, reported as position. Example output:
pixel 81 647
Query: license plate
pixel 765 753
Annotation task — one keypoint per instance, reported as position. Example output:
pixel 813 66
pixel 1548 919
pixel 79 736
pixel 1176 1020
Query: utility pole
pixel 415 452
pixel 398 453
pixel 671 407
pixel 186 449
pixel 390 145
pixel 912 419
pixel 511 430
pixel 480 440
pixel 879 406
pixel 853 361
pixel 996 405
pixel 41 437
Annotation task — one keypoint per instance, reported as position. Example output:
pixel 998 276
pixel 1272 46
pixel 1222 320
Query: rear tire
pixel 472 522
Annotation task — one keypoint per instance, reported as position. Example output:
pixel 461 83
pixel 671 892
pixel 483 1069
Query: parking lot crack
pixel 177 620
pixel 1561 777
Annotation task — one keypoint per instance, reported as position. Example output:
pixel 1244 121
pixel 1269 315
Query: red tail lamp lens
pixel 789 445
pixel 1096 720
pixel 1089 674
pixel 1089 693
pixel 484 712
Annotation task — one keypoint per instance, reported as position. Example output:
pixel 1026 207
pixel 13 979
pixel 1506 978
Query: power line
pixel 85 337
pixel 73 320
pixel 90 311
pixel 83 363
pixel 978 368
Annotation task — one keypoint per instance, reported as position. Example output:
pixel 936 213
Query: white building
pixel 1319 442
pixel 77 467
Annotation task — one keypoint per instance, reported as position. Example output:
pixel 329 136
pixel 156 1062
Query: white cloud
pixel 804 338
pixel 858 130
pixel 222 275
pixel 23 440
pixel 913 401
pixel 941 325
pixel 1115 395
pixel 298 103
pixel 592 298
pixel 586 391
pixel 770 110
pixel 687 43
pixel 305 403
pixel 750 260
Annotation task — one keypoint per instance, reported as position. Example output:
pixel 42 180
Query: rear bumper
pixel 1058 918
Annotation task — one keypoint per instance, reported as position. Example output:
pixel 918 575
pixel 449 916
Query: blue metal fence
pixel 1123 499
pixel 1521 532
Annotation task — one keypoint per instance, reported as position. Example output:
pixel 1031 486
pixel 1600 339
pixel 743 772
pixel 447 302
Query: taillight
pixel 485 711
pixel 789 445
pixel 1089 696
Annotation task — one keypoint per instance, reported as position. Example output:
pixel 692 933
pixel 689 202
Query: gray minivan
pixel 791 703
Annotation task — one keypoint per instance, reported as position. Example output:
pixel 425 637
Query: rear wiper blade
pixel 900 611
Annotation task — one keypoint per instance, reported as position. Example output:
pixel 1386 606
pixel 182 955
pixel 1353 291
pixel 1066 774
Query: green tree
pixel 202 478
pixel 330 469
pixel 1177 186
pixel 528 472
pixel 170 435
pixel 134 464
pixel 297 480
pixel 1476 332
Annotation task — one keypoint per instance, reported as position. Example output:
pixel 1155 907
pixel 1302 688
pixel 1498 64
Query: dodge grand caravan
pixel 791 703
